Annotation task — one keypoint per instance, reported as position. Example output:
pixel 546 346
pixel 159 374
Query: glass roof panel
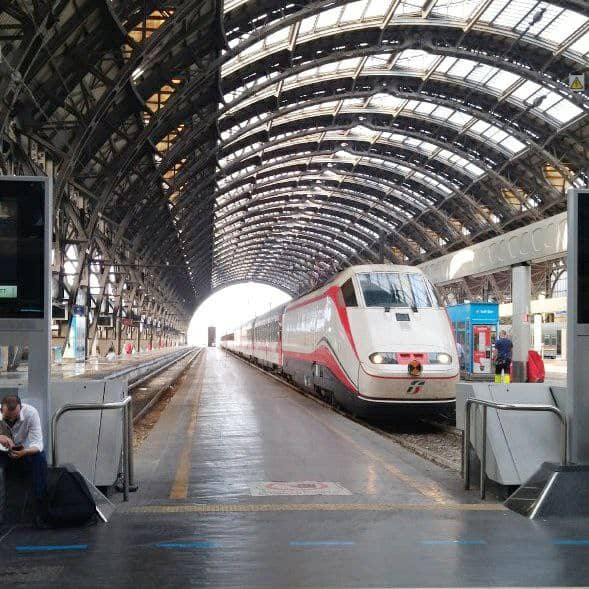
pixel 409 7
pixel 543 21
pixel 581 45
pixel 420 63
pixel 377 8
pixel 460 9
pixel 559 29
pixel 354 11
pixel 368 135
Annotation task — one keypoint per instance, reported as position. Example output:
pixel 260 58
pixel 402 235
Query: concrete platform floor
pixel 195 522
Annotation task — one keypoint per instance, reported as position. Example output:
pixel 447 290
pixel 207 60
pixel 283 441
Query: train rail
pixel 148 389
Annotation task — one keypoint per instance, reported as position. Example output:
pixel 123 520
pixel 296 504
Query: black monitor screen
pixel 583 259
pixel 22 226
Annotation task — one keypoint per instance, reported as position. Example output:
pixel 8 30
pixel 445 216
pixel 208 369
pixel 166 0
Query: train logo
pixel 414 368
pixel 415 387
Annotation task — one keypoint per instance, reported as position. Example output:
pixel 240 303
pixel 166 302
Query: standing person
pixel 461 357
pixel 22 435
pixel 502 357
pixel 111 354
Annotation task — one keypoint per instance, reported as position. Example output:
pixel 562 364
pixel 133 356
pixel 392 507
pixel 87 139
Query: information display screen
pixel 583 258
pixel 22 228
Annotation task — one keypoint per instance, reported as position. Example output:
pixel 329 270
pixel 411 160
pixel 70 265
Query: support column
pixel 521 291
pixel 538 343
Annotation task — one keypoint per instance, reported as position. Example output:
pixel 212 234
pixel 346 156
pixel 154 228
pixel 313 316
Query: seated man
pixel 20 432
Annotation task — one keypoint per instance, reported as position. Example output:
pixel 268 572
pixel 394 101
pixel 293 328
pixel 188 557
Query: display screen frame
pixel 23 241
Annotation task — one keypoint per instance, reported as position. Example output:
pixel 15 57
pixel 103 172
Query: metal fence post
pixel 130 461
pixel 466 446
pixel 483 474
pixel 125 454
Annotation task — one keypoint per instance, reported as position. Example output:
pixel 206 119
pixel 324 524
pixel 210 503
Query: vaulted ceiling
pixel 280 141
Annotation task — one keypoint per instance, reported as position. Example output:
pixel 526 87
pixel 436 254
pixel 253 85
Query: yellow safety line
pixel 180 486
pixel 282 507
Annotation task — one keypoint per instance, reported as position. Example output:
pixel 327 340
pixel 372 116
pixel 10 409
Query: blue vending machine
pixel 476 326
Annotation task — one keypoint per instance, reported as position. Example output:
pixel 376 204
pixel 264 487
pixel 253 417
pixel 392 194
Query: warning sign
pixel 577 82
pixel 297 488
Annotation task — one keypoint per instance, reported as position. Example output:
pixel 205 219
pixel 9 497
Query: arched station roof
pixel 280 141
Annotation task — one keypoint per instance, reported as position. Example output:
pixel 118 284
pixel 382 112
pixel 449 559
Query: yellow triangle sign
pixel 577 84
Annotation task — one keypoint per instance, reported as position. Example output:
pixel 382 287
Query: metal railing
pixel 127 408
pixel 502 407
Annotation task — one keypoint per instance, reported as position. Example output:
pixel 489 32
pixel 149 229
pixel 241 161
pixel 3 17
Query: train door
pixel 482 348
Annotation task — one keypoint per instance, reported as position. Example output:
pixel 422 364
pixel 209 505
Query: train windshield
pixel 395 289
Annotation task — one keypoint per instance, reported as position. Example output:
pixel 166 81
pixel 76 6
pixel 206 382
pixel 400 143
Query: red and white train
pixel 375 336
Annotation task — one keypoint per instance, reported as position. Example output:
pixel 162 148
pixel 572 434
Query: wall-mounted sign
pixel 577 82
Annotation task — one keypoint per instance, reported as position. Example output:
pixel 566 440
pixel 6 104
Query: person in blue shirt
pixel 502 357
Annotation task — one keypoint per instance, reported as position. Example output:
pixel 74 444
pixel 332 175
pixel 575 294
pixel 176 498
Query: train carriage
pixel 375 336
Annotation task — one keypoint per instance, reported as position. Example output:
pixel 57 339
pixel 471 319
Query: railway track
pixel 147 390
pixel 433 438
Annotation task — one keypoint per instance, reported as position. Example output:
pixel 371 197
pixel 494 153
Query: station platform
pixel 246 483
pixel 98 368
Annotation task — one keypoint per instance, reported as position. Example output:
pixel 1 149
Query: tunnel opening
pixel 231 306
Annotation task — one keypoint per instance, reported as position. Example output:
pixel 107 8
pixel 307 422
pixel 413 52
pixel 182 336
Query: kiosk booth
pixel 476 326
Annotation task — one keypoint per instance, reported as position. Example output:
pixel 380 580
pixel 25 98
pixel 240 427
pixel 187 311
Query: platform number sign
pixel 415 387
pixel 577 82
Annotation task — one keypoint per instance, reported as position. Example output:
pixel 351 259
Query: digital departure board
pixel 22 229
pixel 583 258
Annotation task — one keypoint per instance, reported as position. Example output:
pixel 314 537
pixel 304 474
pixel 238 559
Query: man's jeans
pixel 36 464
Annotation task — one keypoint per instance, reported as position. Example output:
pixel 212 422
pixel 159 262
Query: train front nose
pixel 415 380
pixel 409 376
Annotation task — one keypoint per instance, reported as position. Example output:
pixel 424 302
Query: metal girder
pixel 110 148
pixel 455 168
pixel 187 89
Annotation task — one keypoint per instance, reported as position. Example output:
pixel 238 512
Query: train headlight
pixel 442 358
pixel 383 358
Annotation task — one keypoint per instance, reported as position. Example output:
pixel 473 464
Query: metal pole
pixel 466 446
pixel 88 304
pixel 483 473
pixel 125 454
pixel 563 440
pixel 130 462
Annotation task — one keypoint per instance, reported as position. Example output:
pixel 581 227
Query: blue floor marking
pixel 52 547
pixel 465 542
pixel 571 542
pixel 189 545
pixel 321 543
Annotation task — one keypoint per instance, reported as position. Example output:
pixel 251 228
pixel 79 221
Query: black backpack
pixel 68 502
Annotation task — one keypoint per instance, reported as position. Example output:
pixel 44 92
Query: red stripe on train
pixel 324 356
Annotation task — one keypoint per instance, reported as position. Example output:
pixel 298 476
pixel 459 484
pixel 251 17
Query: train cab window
pixel 421 295
pixel 349 294
pixel 384 289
